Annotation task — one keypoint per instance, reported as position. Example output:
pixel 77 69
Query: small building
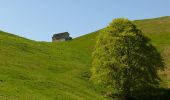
pixel 61 37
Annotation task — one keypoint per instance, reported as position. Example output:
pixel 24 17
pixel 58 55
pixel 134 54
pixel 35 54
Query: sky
pixel 40 19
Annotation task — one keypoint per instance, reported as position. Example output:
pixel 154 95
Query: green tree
pixel 124 59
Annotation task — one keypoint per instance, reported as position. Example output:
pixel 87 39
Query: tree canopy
pixel 124 59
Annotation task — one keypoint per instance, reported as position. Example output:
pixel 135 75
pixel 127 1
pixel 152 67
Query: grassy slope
pixel 41 71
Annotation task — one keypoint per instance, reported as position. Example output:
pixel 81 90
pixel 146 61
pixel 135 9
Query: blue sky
pixel 40 19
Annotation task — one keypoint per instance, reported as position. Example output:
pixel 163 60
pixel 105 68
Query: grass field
pixel 31 70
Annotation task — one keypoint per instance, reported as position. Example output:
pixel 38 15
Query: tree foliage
pixel 124 59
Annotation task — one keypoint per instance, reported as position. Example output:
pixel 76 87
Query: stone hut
pixel 61 37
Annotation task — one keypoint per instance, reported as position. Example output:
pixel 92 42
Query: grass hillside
pixel 156 25
pixel 31 70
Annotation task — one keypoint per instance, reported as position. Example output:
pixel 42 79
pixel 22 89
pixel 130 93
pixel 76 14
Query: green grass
pixel 41 71
pixel 59 71
pixel 156 25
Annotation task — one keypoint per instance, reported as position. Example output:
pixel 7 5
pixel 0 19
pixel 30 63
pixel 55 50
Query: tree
pixel 124 59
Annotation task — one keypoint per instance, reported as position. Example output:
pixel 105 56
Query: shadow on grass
pixel 156 94
pixel 151 94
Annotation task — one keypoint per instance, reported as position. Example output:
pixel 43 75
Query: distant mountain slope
pixel 60 71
